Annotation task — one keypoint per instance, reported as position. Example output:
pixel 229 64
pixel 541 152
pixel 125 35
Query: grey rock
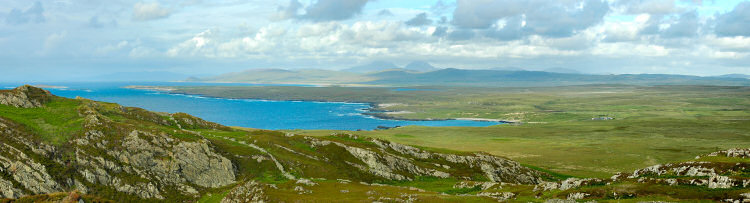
pixel 8 191
pixel 25 97
pixel 24 170
pixel 200 165
pixel 250 191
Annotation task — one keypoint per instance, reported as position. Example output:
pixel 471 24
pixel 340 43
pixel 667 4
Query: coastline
pixel 373 109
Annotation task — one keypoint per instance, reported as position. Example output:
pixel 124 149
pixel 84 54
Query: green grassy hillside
pixel 121 153
pixel 65 150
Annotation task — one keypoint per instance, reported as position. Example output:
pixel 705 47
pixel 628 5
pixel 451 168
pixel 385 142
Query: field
pixel 554 127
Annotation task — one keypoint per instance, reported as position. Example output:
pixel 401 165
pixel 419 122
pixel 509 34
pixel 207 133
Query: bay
pixel 251 113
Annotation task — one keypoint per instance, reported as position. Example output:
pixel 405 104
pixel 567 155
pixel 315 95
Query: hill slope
pixel 130 154
pixel 63 150
pixel 375 66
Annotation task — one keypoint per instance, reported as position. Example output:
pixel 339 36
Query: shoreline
pixel 371 111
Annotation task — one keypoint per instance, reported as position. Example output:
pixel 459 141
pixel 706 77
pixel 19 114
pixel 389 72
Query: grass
pixel 652 124
pixel 215 195
pixel 55 122
pixel 582 149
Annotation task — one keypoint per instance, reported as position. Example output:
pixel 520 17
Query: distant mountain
pixel 735 76
pixel 160 76
pixel 462 77
pixel 562 70
pixel 271 76
pixel 375 66
pixel 380 66
pixel 420 66
pixel 510 68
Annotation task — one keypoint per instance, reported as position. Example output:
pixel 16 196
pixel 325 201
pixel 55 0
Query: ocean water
pixel 250 113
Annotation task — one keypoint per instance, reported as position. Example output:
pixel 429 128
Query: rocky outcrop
pixel 566 184
pixel 25 97
pixel 165 160
pixel 737 152
pixel 708 174
pixel 712 175
pixel 496 169
pixel 386 165
pixel 31 175
pixel 201 166
pixel 8 191
pixel 402 162
pixel 250 191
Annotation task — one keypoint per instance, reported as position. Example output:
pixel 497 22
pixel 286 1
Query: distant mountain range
pixel 137 76
pixel 281 76
pixel 462 77
pixel 735 76
pixel 378 66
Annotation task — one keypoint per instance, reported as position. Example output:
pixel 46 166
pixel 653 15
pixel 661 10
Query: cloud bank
pixel 209 37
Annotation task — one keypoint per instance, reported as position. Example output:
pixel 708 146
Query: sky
pixel 59 39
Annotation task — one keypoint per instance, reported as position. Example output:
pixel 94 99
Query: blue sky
pixel 63 39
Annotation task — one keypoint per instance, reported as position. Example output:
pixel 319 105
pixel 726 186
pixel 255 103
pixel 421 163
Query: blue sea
pixel 251 113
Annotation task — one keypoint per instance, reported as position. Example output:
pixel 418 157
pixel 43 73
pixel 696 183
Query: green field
pixel 554 126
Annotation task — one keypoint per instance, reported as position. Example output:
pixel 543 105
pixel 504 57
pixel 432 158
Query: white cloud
pixel 632 36
pixel 149 11
pixel 111 48
pixel 192 46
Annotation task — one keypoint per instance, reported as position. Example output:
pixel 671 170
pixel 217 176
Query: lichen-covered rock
pixel 567 184
pixel 175 161
pixel 736 152
pixel 200 165
pixel 577 195
pixel 8 191
pixel 25 97
pixel 24 170
pixel 386 165
pixel 251 191
pixel 494 168
pixel 716 181
pixel 499 196
pixel 467 184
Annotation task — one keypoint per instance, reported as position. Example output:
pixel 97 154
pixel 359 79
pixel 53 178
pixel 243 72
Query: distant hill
pixel 562 70
pixel 380 66
pixel 462 77
pixel 420 66
pixel 271 76
pixel 137 76
pixel 375 66
pixel 735 76
pixel 509 68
